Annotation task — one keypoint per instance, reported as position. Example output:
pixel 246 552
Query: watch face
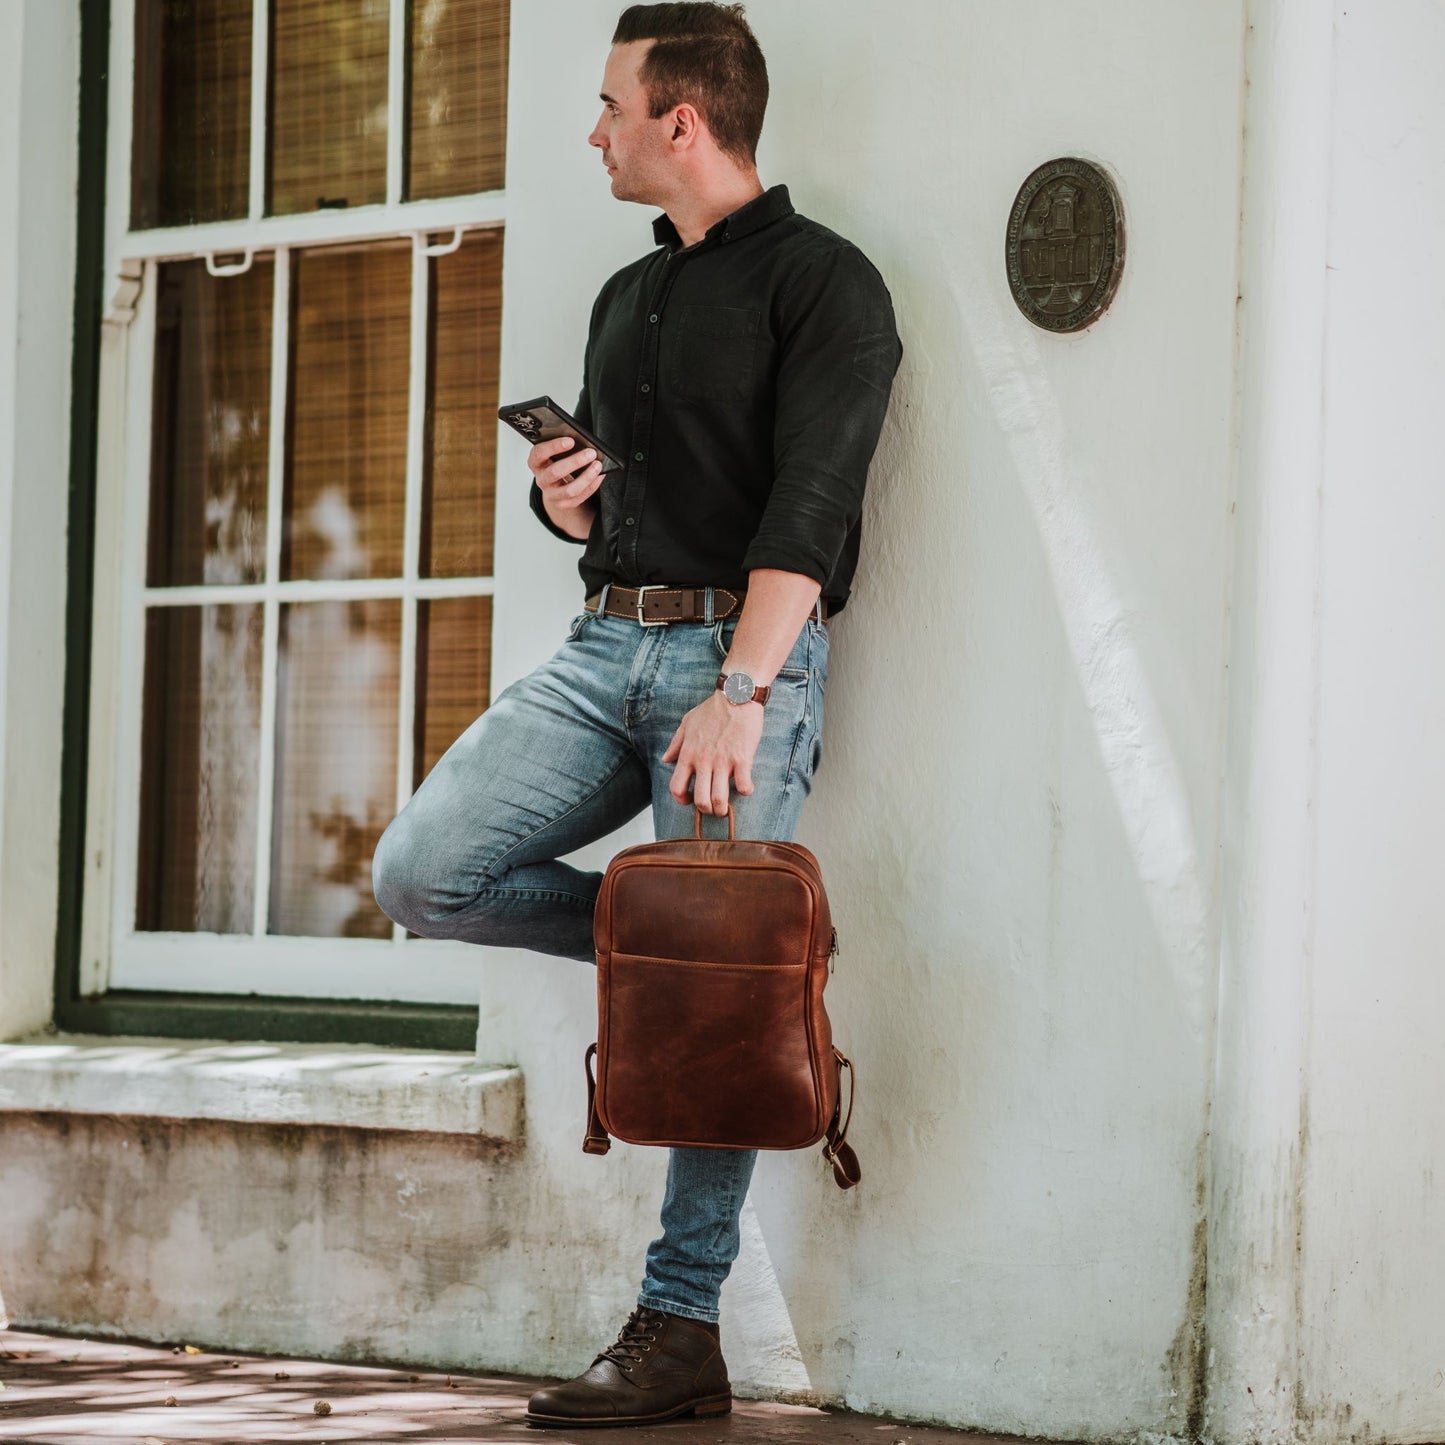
pixel 738 687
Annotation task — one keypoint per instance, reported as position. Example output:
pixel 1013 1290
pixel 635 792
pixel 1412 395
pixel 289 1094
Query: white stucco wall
pixel 39 62
pixel 1325 1268
pixel 1016 810
pixel 1373 1337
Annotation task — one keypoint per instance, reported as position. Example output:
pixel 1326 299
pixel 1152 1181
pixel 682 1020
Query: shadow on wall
pixel 1024 920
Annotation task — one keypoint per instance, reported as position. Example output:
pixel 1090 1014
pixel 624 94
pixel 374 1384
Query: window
pixel 303 478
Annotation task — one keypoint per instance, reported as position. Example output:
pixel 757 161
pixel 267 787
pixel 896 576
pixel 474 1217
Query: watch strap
pixel 760 694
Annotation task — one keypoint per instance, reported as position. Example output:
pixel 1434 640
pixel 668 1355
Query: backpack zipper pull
pixel 833 951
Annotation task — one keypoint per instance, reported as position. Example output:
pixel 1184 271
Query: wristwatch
pixel 739 688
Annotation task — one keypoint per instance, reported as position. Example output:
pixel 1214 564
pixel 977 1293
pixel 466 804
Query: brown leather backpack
pixel 712 957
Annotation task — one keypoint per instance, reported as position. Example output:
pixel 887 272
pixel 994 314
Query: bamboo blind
pixel 335 791
pixel 192 112
pixel 346 433
pixel 454 666
pixel 211 423
pixel 348 379
pixel 328 104
pixel 458 96
pixel 196 867
pixel 465 342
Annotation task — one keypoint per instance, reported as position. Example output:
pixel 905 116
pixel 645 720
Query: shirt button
pixel 637 456
pixel 629 521
pixel 653 317
pixel 646 387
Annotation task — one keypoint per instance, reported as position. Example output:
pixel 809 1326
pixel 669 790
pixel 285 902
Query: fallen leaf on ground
pixel 194 1350
pixel 321 1407
pixel 282 1375
pixel 171 1400
pixel 66 1359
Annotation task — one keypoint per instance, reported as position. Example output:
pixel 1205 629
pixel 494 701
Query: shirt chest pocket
pixel 713 353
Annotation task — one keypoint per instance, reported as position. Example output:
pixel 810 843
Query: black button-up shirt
pixel 743 380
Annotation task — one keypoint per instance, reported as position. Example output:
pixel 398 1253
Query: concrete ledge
pixel 354 1085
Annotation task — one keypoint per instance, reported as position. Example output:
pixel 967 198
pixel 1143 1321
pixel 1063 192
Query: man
pixel 742 368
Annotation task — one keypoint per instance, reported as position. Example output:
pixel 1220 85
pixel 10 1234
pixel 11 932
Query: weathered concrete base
pixel 346 1243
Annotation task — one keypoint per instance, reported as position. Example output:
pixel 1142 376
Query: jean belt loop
pixel 818 609
pixel 602 598
pixel 707 606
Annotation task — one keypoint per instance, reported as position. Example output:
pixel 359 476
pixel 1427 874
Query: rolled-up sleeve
pixel 839 351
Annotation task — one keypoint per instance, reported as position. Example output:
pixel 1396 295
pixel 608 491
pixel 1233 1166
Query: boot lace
pixel 637 1336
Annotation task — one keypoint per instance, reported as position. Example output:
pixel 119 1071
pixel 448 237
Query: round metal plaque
pixel 1065 244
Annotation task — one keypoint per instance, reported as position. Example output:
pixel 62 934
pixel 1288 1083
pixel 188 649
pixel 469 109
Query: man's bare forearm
pixel 774 611
pixel 716 742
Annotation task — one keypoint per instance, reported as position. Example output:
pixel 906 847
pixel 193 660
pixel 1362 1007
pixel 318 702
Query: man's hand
pixel 567 485
pixel 714 744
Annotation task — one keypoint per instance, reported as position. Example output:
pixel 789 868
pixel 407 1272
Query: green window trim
pixel 269 1019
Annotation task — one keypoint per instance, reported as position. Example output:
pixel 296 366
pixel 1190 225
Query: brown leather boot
pixel 659 1367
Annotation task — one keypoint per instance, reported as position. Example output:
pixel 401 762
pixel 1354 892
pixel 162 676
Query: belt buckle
pixel 650 587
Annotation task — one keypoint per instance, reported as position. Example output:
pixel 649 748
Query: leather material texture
pixel 659 1367
pixel 712 959
pixel 677 604
pixel 668 604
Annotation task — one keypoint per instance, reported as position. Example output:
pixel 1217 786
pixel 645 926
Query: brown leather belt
pixel 656 603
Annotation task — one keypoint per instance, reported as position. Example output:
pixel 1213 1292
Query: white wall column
pixel 1373 1272
pixel 39 66
pixel 1259 1122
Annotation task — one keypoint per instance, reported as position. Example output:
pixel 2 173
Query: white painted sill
pixel 358 1086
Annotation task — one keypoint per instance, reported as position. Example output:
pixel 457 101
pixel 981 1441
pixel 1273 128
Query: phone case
pixel 541 420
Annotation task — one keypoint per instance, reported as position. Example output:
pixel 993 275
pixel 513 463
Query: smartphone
pixel 541 420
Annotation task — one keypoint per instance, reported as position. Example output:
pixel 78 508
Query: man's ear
pixel 686 124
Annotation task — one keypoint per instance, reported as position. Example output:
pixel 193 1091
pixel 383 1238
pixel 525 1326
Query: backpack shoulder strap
pixel 838 1151
pixel 595 1141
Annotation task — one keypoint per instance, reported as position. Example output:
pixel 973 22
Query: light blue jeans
pixel 566 755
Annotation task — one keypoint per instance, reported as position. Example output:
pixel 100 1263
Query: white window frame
pixel 114 954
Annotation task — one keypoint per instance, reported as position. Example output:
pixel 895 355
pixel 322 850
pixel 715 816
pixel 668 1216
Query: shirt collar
pixel 751 216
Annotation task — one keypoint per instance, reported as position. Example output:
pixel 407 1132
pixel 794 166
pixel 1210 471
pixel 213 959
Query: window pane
pixel 337 679
pixel 454 666
pixel 458 101
pixel 211 425
pixel 192 112
pixel 346 463
pixel 459 500
pixel 200 742
pixel 328 104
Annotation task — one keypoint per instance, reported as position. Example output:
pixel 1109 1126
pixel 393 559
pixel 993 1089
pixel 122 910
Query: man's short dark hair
pixel 705 54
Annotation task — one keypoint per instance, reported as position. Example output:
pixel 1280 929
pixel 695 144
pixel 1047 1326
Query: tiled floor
pixel 61 1391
